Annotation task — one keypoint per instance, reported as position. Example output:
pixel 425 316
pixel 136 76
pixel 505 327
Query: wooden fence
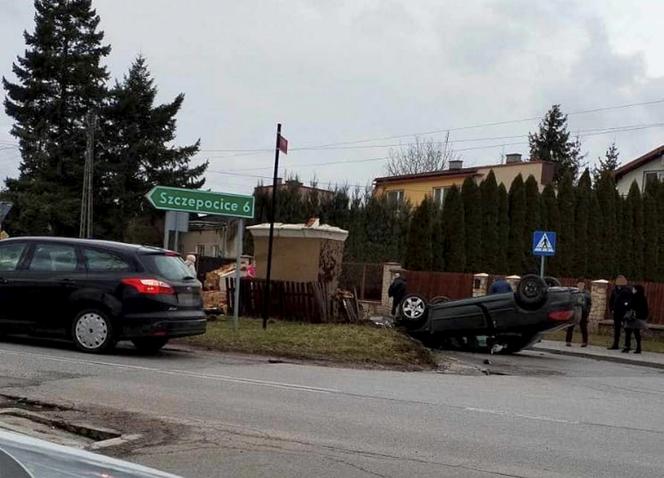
pixel 432 284
pixel 300 301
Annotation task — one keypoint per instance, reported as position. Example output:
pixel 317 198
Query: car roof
pixel 110 245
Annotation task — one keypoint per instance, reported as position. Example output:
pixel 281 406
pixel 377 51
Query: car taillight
pixel 561 315
pixel 149 286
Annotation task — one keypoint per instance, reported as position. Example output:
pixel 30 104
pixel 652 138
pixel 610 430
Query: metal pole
pixel 542 267
pixel 166 231
pixel 236 301
pixel 266 299
pixel 177 240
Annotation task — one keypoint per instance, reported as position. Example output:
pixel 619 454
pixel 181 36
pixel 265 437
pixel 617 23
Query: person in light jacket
pixel 190 262
pixel 586 305
pixel 635 321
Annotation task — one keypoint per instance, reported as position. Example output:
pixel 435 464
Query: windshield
pixel 169 267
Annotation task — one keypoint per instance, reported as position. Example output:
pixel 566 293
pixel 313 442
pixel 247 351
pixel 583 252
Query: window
pixel 169 267
pixel 98 261
pixel 53 258
pixel 200 250
pixel 10 255
pixel 439 195
pixel 652 176
pixel 396 196
pixel 216 251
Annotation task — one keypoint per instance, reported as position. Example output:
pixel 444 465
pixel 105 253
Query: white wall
pixel 623 185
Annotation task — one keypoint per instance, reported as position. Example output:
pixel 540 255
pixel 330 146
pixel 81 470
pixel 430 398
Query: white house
pixel 642 169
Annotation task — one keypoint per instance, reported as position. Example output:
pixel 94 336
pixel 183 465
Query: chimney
pixel 456 164
pixel 512 158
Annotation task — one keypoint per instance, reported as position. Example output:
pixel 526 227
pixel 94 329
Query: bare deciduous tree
pixel 422 156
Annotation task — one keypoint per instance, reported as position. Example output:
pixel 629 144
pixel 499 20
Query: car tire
pixel 552 281
pixel 149 345
pixel 413 311
pixel 92 331
pixel 531 291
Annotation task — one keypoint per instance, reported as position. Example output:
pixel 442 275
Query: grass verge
pixel 604 338
pixel 363 345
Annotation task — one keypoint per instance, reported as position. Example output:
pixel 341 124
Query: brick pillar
pixel 480 284
pixel 513 281
pixel 598 291
pixel 389 269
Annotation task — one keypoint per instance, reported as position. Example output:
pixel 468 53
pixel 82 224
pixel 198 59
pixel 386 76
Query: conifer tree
pixel 566 243
pixel 454 248
pixel 596 269
pixel 581 218
pixel 517 228
pixel 550 222
pixel 533 220
pixel 419 253
pixel 472 207
pixel 503 230
pixel 651 232
pixel 552 143
pixel 60 79
pixel 489 195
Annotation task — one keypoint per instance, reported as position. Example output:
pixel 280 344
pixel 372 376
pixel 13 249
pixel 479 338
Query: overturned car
pixel 510 322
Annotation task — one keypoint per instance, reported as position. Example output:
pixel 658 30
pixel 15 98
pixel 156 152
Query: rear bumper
pixel 163 324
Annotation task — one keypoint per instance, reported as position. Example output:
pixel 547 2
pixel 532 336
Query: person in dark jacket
pixel 586 305
pixel 619 304
pixel 397 291
pixel 500 286
pixel 636 320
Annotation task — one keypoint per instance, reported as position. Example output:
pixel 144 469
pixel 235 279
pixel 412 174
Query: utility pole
pixel 86 222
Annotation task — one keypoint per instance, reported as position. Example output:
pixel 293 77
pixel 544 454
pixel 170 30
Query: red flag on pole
pixel 283 144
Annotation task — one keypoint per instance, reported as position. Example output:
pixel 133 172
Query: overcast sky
pixel 382 70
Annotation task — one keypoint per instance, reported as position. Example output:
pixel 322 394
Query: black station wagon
pixel 97 292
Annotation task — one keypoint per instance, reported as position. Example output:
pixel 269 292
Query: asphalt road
pixel 534 415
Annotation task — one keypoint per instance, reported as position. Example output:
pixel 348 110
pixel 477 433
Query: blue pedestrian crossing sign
pixel 544 243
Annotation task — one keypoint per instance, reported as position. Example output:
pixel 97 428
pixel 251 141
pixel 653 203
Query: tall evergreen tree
pixel 533 220
pixel 139 151
pixel 566 244
pixel 651 232
pixel 472 207
pixel 634 209
pixel 489 195
pixel 581 218
pixel 438 239
pixel 454 248
pixel 550 221
pixel 660 236
pixel 517 213
pixel 419 253
pixel 503 230
pixel 608 200
pixel 609 164
pixel 60 80
pixel 552 143
pixel 595 267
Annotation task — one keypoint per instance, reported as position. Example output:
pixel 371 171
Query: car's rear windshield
pixel 169 267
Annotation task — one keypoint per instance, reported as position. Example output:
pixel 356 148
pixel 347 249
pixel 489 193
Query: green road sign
pixel 202 202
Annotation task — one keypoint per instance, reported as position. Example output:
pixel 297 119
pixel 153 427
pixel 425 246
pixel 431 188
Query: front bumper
pixel 163 324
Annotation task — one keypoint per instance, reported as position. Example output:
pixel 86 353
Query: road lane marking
pixel 520 415
pixel 183 373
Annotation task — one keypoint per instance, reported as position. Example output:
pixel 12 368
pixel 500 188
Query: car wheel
pixel 531 291
pixel 413 310
pixel 92 332
pixel 149 345
pixel 552 281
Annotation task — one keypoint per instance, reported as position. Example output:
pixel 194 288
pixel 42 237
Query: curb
pixel 602 358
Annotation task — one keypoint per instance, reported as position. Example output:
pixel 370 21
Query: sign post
pixel 204 202
pixel 544 244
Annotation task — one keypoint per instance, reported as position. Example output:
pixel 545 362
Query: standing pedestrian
pixel 619 304
pixel 190 262
pixel 584 311
pixel 397 291
pixel 636 318
pixel 500 286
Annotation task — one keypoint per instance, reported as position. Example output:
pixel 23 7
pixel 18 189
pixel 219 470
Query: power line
pixel 442 130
